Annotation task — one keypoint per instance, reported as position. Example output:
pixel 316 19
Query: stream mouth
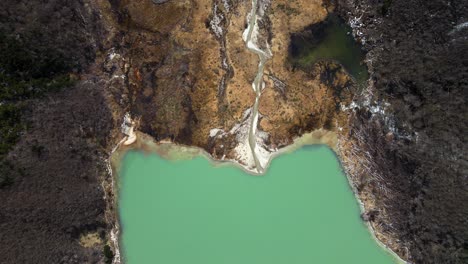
pixel 329 40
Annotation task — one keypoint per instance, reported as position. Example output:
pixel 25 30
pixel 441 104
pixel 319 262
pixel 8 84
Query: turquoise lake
pixel 302 211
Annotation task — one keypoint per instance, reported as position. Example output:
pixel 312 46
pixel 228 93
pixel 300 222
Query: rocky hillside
pixel 417 53
pixel 55 127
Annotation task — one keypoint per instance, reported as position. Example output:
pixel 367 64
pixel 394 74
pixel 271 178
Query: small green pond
pixel 301 211
pixel 329 40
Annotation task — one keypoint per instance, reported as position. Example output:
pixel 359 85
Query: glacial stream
pixel 257 85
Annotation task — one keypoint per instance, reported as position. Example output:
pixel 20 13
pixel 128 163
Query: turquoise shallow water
pixel 190 212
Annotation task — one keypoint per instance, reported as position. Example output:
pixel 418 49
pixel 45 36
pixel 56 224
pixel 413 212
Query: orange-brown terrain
pixel 182 71
pixel 189 79
pixel 183 79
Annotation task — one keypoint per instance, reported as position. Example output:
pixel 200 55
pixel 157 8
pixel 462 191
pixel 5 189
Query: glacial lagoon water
pixel 302 211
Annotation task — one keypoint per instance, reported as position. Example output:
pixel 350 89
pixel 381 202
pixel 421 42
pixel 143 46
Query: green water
pixel 190 212
pixel 330 40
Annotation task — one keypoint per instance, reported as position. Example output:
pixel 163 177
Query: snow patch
pixel 215 131
pixel 216 21
pixel 127 128
pixel 226 5
pixel 114 55
pixel 264 154
pixel 114 238
pixel 380 109
pixel 116 76
pixel 459 27
pixel 243 151
pixel 356 25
